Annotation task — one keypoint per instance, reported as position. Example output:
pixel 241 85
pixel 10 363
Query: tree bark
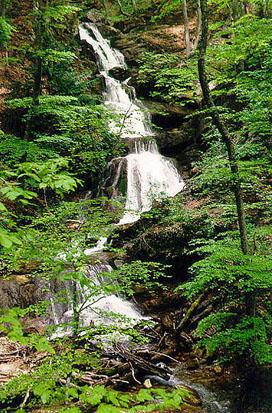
pixel 186 29
pixel 37 81
pixel 76 315
pixel 220 125
pixel 198 28
pixel 134 5
pixel 5 6
pixel 38 28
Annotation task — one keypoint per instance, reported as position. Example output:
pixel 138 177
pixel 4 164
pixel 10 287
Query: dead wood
pixel 139 363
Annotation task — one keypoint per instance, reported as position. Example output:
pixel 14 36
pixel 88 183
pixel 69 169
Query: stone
pixel 147 384
pixel 119 73
pixel 17 291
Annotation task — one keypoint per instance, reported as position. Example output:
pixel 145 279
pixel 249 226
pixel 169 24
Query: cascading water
pixel 209 399
pixel 95 308
pixel 133 122
pixel 150 176
pixel 107 57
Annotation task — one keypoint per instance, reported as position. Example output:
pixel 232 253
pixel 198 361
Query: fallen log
pixel 189 312
pixel 139 363
pixel 201 315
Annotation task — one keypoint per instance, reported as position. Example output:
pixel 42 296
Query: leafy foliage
pixel 44 388
pixel 229 276
pixel 168 78
pixel 6 31
pixel 61 145
pixel 78 131
pixel 48 175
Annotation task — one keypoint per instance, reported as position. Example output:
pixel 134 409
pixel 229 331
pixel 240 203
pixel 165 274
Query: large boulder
pixel 18 291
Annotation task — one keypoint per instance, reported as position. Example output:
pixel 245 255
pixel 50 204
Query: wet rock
pixel 167 109
pixel 168 244
pixel 119 73
pixel 131 47
pixel 177 137
pixel 151 243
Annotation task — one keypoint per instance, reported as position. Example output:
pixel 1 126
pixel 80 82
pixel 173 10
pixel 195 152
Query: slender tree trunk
pixel 37 81
pixel 39 29
pixel 198 28
pixel 5 5
pixel 134 5
pixel 76 315
pixel 3 9
pixel 220 124
pixel 186 29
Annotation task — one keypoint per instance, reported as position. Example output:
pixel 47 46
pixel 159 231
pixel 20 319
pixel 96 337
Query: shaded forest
pixel 135 206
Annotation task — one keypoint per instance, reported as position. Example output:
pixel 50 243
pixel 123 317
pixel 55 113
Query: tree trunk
pixel 220 125
pixel 3 9
pixel 37 81
pixel 186 29
pixel 76 315
pixel 38 45
pixel 198 28
pixel 134 5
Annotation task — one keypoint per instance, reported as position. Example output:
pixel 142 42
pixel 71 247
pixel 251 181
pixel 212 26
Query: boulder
pixel 18 291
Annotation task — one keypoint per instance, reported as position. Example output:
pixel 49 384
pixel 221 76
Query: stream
pixel 150 176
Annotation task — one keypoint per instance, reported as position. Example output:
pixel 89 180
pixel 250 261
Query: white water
pixel 99 246
pixel 107 57
pixel 95 306
pixel 150 176
pixel 209 399
pixel 133 122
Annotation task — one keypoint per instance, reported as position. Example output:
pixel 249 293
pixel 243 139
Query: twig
pixel 133 373
pixel 25 399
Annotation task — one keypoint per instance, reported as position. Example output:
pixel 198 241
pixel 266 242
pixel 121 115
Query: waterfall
pixel 107 57
pixel 96 307
pixel 150 176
